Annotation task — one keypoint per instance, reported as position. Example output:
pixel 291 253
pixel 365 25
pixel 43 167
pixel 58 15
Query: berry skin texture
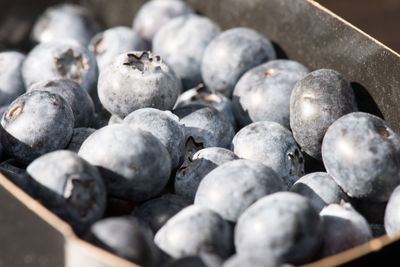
pixel 70 187
pixel 194 230
pixel 231 54
pixel 61 59
pixel 392 216
pixel 343 228
pixel 320 189
pixel 11 82
pixel 284 224
pixel 127 237
pixel 273 145
pixel 156 13
pixel 165 126
pixel 78 99
pixel 263 93
pixel 134 164
pixel 362 154
pixel 317 100
pixel 36 123
pixel 181 43
pixel 232 187
pixel 114 41
pixel 137 80
pixel 208 127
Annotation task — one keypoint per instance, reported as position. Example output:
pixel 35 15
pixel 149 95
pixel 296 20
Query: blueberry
pixel 232 187
pixel 36 123
pixel 137 80
pixel 70 187
pixel 316 102
pixel 134 164
pixel 79 135
pixel 343 228
pixel 263 92
pixel 189 175
pixel 11 82
pixel 181 43
pixel 156 212
pixel 204 96
pixel 156 13
pixel 194 230
pixel 362 154
pixel 231 54
pixel 208 127
pixel 272 144
pixel 126 237
pixel 392 216
pixel 112 42
pixel 62 59
pixel 78 99
pixel 165 126
pixel 65 21
pixel 284 224
pixel 320 189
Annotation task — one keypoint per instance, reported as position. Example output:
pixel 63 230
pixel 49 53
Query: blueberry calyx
pixel 143 61
pixel 76 192
pixel 71 65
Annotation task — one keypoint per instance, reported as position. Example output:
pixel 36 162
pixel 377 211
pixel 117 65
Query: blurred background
pixel 380 19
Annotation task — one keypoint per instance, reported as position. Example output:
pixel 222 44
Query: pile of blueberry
pixel 177 144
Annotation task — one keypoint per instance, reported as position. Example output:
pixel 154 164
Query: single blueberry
pixel 320 189
pixel 137 80
pixel 70 187
pixel 208 127
pixel 263 93
pixel 189 175
pixel 231 54
pixel 317 100
pixel 126 237
pixel 232 187
pixel 65 21
pixel 79 135
pixel 165 126
pixel 284 224
pixel 78 99
pixel 36 123
pixel 194 230
pixel 156 13
pixel 343 228
pixel 62 59
pixel 272 144
pixel 156 212
pixel 114 41
pixel 181 43
pixel 362 154
pixel 134 164
pixel 11 82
